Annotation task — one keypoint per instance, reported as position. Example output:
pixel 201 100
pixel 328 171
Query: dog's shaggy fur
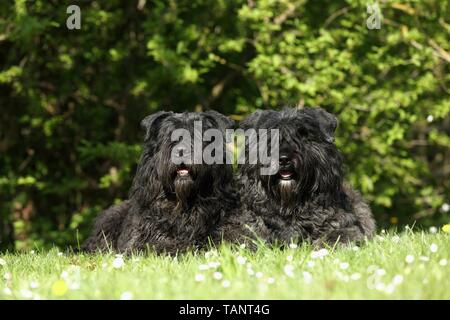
pixel 306 199
pixel 170 208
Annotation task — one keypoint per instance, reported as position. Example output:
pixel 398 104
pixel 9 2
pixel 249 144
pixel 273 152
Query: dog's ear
pixel 254 119
pixel 223 121
pixel 327 123
pixel 150 123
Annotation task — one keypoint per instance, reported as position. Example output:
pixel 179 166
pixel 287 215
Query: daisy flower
pixel 226 283
pixel 289 270
pixel 217 275
pixel 398 279
pixel 127 295
pixel 199 277
pixel 434 248
pixel 344 265
pixel 241 260
pixel 409 258
pixel 118 262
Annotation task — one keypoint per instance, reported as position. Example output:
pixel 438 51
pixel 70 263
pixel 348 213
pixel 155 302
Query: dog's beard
pixel 184 190
pixel 286 191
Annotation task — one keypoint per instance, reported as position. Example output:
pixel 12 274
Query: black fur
pixel 166 211
pixel 306 199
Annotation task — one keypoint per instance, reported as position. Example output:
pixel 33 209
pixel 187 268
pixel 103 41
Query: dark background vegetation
pixel 71 100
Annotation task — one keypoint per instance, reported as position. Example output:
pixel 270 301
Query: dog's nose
pixel 284 160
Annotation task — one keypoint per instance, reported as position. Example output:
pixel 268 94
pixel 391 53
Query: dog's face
pixel 308 161
pixel 183 180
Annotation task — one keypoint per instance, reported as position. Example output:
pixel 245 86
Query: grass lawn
pixel 408 265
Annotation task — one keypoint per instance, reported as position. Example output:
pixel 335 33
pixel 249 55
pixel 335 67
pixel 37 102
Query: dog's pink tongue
pixel 285 174
pixel 183 172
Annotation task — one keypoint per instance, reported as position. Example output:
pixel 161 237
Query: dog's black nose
pixel 284 160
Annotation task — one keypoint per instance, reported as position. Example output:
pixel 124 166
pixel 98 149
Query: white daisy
pixel 443 262
pixel 434 248
pixel 199 277
pixel 398 279
pixel 226 283
pixel 344 265
pixel 289 270
pixel 289 258
pixel 409 258
pixel 118 263
pixel 2 262
pixel 433 229
pixel 127 295
pixel 445 207
pixel 293 246
pixel 217 275
pixel 241 259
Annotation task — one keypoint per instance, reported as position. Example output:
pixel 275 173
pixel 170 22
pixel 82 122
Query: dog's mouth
pixel 286 174
pixel 183 171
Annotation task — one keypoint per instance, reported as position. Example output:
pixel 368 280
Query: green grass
pixel 375 270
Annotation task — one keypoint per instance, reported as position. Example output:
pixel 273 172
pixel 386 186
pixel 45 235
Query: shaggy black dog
pixel 171 207
pixel 306 198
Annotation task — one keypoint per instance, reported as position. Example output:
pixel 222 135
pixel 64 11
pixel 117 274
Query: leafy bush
pixel 71 100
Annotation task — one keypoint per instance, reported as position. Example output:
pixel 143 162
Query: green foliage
pixel 71 100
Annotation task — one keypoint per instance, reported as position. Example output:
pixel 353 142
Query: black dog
pixel 306 198
pixel 171 207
